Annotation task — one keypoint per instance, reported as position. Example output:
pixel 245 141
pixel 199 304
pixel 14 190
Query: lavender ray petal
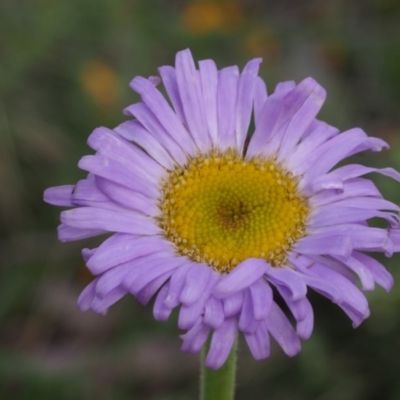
pixel 118 173
pixel 189 86
pixel 245 97
pixel 195 338
pixel 261 295
pixel 242 276
pixel 108 220
pixel 282 331
pixel 68 234
pixel 313 96
pixel 188 315
pixel 233 304
pixel 176 284
pixel 160 312
pixel 145 295
pixel 153 126
pixel 247 322
pixel 214 312
pixel 127 198
pixel 221 344
pixel 121 248
pixel 260 96
pixel 85 299
pixel 59 195
pixel 144 272
pixel 114 147
pixel 290 279
pixel 380 275
pixel 134 131
pixel 226 100
pixel 168 76
pixel 101 304
pixel 259 342
pixel 196 281
pixel 209 85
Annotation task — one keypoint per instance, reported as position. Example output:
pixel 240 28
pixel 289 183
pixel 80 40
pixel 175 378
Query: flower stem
pixel 218 384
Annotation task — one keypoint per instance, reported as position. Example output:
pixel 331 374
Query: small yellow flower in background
pixel 100 82
pixel 261 41
pixel 204 16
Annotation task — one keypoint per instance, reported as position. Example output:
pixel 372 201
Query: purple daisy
pixel 210 217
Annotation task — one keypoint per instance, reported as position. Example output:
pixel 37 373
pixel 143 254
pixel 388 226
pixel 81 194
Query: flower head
pixel 210 216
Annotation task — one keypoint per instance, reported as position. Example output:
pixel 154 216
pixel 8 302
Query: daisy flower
pixel 218 218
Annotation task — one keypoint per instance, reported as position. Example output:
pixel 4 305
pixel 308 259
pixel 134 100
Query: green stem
pixel 218 384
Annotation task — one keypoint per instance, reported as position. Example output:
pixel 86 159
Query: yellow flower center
pixel 221 209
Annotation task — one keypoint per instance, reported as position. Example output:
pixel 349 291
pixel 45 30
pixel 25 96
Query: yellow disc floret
pixel 221 209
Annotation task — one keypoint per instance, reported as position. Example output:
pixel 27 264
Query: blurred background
pixel 64 70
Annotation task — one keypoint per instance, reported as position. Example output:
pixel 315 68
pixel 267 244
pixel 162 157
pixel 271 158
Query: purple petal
pixel 336 149
pixel 331 243
pixel 313 96
pixel 328 216
pixel 101 304
pixel 59 195
pixel 135 132
pixel 118 173
pixel 195 338
pixel 188 315
pixel 366 278
pixel 176 284
pixel 127 198
pixel 242 276
pixel 189 85
pixel 258 342
pixel 146 117
pixel 380 275
pixel 196 281
pixel 227 94
pixel 68 234
pixel 86 297
pixel 209 85
pixel 261 295
pixel 112 221
pixel 282 331
pixel 353 301
pixel 145 295
pixel 214 312
pixel 160 312
pixel 354 188
pixel 364 203
pixel 323 182
pixel 86 193
pixel 318 132
pixel 362 237
pixel 260 96
pixel 233 304
pixel 285 276
pixel 112 146
pixel 146 271
pixel 354 171
pixel 87 253
pixel 245 96
pixel 301 310
pixel 121 248
pixel 247 322
pixel 284 88
pixel 221 344
pixel 112 278
pixel 168 76
pixel 157 103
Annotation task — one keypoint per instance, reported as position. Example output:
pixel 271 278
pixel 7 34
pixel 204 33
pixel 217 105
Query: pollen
pixel 221 209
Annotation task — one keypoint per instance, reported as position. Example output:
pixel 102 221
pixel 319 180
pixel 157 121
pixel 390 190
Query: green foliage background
pixel 64 70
